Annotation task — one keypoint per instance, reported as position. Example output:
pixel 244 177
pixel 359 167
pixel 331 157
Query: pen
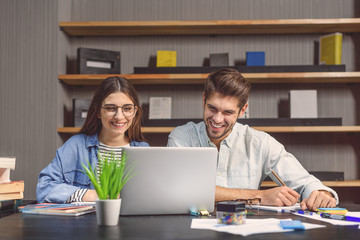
pixel 340 217
pixel 304 212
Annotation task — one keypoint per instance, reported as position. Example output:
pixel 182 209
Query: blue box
pixel 255 58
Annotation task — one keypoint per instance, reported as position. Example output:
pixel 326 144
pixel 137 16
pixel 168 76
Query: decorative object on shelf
pixel 323 176
pixel 114 174
pixel 160 108
pixel 80 110
pixel 166 59
pixel 250 121
pixel 303 104
pixel 330 49
pixel 255 58
pixel 219 59
pixel 242 69
pixel 97 61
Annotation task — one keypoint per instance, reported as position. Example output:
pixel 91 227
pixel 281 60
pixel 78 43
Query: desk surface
pixel 22 226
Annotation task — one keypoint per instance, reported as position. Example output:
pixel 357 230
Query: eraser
pixel 296 225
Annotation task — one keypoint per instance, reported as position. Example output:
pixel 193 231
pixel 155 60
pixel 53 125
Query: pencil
pixel 277 177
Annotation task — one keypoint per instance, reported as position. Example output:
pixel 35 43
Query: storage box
pixel 80 110
pixel 97 61
pixel 231 213
pixel 303 104
pixel 219 59
pixel 160 108
pixel 255 58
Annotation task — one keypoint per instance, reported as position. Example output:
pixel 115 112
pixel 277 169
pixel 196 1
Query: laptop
pixel 169 180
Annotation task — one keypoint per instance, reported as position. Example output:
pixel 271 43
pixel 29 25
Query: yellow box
pixel 166 59
pixel 330 49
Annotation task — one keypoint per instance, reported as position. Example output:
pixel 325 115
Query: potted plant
pixel 113 175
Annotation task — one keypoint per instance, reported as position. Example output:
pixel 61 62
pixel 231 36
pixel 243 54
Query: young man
pixel 247 156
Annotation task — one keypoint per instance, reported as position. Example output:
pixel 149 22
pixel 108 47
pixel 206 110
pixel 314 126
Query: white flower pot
pixel 108 211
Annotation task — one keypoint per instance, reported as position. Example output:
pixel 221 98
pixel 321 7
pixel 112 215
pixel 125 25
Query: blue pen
pixel 304 212
pixel 340 217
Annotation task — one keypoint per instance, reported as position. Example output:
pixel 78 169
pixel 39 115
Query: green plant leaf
pixel 112 177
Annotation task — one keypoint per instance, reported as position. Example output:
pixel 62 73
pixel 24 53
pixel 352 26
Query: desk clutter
pixel 231 218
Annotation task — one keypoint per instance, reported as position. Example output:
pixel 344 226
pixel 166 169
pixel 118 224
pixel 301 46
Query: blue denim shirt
pixel 63 176
pixel 246 156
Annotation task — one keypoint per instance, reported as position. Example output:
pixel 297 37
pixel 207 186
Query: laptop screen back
pixel 169 180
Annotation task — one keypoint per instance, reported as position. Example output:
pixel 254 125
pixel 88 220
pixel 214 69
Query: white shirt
pixel 246 156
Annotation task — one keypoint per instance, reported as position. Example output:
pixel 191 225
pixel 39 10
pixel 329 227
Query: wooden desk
pixel 20 226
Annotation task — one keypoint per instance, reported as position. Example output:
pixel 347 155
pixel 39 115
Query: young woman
pixel 113 121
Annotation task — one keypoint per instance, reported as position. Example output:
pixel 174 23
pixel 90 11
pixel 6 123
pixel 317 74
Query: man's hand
pixel 279 196
pixel 90 196
pixel 318 199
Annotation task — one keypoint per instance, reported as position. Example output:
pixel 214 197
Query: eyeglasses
pixel 250 202
pixel 111 110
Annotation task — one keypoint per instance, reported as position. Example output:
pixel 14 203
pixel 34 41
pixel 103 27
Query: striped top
pixel 105 151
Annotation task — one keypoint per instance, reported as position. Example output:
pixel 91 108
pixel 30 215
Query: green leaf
pixel 114 174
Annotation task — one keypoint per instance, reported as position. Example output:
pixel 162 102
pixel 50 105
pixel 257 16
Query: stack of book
pixel 58 209
pixel 9 190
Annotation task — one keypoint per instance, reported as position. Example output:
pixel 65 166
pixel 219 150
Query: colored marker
pixel 304 212
pixel 340 217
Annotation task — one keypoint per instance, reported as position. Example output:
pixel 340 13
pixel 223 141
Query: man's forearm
pixel 226 194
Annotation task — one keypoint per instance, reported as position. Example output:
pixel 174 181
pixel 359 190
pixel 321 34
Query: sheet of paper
pixel 353 214
pixel 276 209
pixel 331 221
pixel 252 226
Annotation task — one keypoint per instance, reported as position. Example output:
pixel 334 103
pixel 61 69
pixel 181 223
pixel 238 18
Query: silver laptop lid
pixel 169 180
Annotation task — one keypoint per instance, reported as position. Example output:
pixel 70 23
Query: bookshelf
pixel 346 183
pixel 234 27
pixel 254 78
pixel 270 26
pixel 281 129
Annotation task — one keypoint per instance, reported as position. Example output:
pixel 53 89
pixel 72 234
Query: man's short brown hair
pixel 228 82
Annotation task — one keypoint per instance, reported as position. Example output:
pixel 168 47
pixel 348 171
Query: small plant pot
pixel 108 211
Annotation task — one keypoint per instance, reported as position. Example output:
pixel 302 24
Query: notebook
pixel 169 180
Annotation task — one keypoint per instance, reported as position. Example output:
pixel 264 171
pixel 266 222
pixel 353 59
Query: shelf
pixel 270 26
pixel 254 78
pixel 346 183
pixel 295 129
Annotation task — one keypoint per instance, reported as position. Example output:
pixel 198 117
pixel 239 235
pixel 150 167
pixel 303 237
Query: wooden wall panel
pixel 28 67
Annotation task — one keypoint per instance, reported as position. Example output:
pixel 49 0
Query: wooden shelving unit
pixel 295 129
pixel 254 78
pixel 346 183
pixel 270 26
pixel 234 27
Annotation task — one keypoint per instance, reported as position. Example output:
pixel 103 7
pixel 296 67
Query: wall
pixel 33 52
pixel 28 67
pixel 325 152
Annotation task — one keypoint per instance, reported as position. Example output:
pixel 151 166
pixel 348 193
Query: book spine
pixel 338 50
